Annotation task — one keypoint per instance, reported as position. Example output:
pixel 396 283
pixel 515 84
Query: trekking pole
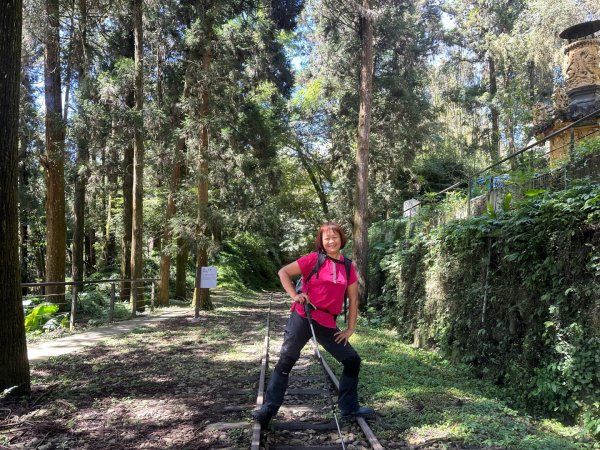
pixel 307 308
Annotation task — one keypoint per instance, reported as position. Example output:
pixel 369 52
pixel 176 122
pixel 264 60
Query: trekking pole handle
pixel 307 310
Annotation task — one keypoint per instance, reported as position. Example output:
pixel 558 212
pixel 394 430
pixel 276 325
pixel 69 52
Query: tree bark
pixel 127 219
pixel 138 159
pixel 201 298
pixel 217 233
pixel 361 224
pixel 54 160
pixel 82 159
pixel 24 176
pixel 165 259
pixel 13 351
pixel 90 250
pixel 181 267
pixel 494 114
pixel 110 240
pixel 127 195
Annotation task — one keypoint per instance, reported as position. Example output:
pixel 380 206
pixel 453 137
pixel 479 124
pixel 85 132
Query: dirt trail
pixel 76 342
pixel 171 383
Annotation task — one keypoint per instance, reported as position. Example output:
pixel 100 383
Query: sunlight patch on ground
pixel 428 434
pixel 157 409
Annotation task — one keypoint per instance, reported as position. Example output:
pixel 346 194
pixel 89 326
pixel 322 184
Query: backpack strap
pixel 315 270
pixel 348 265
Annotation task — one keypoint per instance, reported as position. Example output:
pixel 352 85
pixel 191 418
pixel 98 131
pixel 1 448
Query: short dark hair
pixel 326 227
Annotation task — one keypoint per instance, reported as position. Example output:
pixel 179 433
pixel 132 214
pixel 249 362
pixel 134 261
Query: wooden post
pixel 152 296
pixel 73 307
pixel 133 299
pixel 111 308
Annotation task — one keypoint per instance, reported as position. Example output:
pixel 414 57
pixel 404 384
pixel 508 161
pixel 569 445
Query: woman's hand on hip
pixel 302 298
pixel 343 336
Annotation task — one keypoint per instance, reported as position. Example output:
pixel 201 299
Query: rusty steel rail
pixel 362 423
pixel 256 427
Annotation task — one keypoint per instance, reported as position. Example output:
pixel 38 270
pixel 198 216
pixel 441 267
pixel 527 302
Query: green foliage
pixel 437 171
pixel 248 261
pixel 515 295
pixel 422 395
pixel 382 236
pixel 45 317
pixel 585 148
pixel 93 305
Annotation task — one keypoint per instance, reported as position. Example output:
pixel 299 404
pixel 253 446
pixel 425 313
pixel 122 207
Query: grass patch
pixel 423 398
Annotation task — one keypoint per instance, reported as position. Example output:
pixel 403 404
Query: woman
pixel 325 292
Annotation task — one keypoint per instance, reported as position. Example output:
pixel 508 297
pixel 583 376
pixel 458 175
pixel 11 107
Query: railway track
pixel 306 420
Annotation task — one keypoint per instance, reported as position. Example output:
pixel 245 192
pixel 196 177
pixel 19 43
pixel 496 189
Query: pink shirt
pixel 327 291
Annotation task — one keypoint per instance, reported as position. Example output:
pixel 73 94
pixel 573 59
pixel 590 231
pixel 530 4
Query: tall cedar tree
pixel 362 152
pixel 202 296
pixel 127 197
pixel 138 159
pixel 177 171
pixel 54 161
pixel 81 173
pixel 13 351
pixel 165 259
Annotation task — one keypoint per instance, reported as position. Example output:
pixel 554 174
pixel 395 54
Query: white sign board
pixel 206 277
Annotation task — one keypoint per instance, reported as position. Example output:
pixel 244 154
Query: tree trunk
pixel 494 115
pixel 127 219
pixel 315 182
pixel 24 252
pixel 165 259
pixel 138 159
pixel 69 69
pixel 181 267
pixel 13 351
pixel 110 162
pixel 54 160
pixel 90 250
pixel 23 186
pixel 361 224
pixel 217 233
pixel 201 298
pixel 82 172
pixel 181 259
pixel 127 193
pixel 40 265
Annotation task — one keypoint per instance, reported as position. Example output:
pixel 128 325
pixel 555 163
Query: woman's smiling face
pixel 332 242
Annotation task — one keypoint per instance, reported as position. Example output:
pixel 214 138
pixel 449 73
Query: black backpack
pixel 315 270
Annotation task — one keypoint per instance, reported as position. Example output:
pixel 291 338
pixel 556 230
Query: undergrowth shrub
pixel 45 317
pixel 248 261
pixel 516 295
pixel 385 234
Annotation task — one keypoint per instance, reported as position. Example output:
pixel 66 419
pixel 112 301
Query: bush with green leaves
pixel 515 294
pixel 248 261
pixel 45 317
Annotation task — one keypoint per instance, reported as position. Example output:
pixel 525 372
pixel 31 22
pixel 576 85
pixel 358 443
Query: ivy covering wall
pixel 516 294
